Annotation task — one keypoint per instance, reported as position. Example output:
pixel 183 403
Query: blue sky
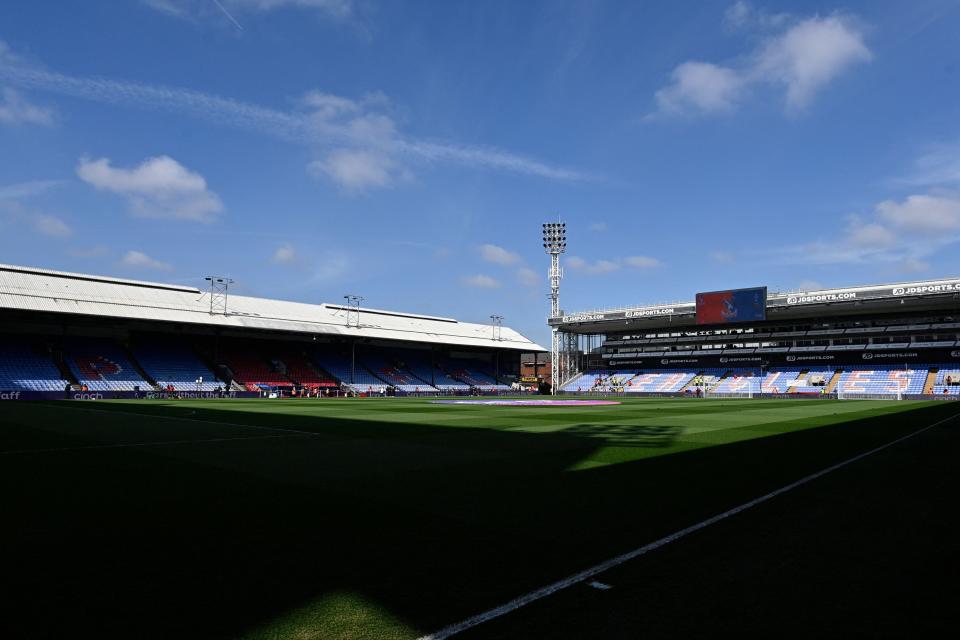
pixel 409 151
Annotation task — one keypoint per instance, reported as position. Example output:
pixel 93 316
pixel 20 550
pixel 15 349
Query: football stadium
pixel 182 462
pixel 293 345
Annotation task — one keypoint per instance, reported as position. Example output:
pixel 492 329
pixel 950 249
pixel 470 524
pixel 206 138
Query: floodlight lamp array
pixel 555 237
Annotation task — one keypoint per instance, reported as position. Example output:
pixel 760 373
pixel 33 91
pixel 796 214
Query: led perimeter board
pixel 738 305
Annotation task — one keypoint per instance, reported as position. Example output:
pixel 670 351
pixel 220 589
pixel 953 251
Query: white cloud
pixel 600 267
pixel 811 54
pixel 199 9
pixel 332 266
pixel 938 166
pixel 285 254
pixel 742 15
pixel 498 255
pixel 329 125
pixel 924 213
pixel 900 233
pixel 802 59
pixel 722 257
pixel 914 265
pixel 159 187
pixel 870 234
pixel 528 277
pixel 642 262
pixel 50 226
pixel 140 260
pixel 356 169
pixel 810 285
pixel 700 87
pixel 15 110
pixel 21 190
pixel 95 251
pixel 592 268
pixel 598 226
pixel 480 281
pixel 21 214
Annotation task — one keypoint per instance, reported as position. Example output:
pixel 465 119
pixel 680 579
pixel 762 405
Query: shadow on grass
pixel 626 435
pixel 431 524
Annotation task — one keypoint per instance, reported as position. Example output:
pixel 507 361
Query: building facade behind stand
pixel 882 340
pixel 81 336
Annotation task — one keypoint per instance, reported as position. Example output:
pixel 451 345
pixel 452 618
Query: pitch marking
pixel 577 578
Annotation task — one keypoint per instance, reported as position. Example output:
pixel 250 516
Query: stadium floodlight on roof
pixel 219 290
pixel 353 309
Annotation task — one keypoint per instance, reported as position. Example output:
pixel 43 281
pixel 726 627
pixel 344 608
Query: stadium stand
pixel 473 373
pixel 340 366
pixel 252 371
pixel 419 365
pixel 299 369
pixel 659 382
pixel 883 380
pixel 22 369
pixel 391 370
pixel 947 382
pixel 170 363
pixel 739 381
pixel 103 366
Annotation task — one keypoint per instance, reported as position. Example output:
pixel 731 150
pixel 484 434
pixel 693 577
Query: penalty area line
pixel 596 570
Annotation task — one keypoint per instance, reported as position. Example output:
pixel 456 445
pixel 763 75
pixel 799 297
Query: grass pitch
pixel 385 518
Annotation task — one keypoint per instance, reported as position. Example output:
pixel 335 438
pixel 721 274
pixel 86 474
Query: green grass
pixel 391 518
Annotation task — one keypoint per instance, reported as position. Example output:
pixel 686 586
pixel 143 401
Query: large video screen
pixel 738 305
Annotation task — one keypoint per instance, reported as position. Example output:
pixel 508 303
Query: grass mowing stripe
pixel 596 570
pixel 181 419
pixel 145 444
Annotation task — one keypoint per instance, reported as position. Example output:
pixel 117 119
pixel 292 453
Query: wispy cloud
pixel 598 226
pixel 285 254
pixel 498 255
pixel 528 277
pixel 140 260
pixel 27 189
pixel 722 257
pixel 593 268
pixel 938 165
pixel 159 187
pixel 96 251
pixel 202 9
pixel 16 109
pixel 480 281
pixel 50 226
pixel 358 140
pixel 14 208
pixel 642 262
pixel 903 233
pixel 600 267
pixel 801 59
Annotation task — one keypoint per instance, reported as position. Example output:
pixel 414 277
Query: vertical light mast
pixel 555 243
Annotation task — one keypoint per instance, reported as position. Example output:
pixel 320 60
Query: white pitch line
pixel 160 443
pixel 577 578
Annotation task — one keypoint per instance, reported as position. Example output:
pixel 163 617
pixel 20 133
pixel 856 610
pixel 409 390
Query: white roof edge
pixel 96 278
pixel 386 312
pixel 50 291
